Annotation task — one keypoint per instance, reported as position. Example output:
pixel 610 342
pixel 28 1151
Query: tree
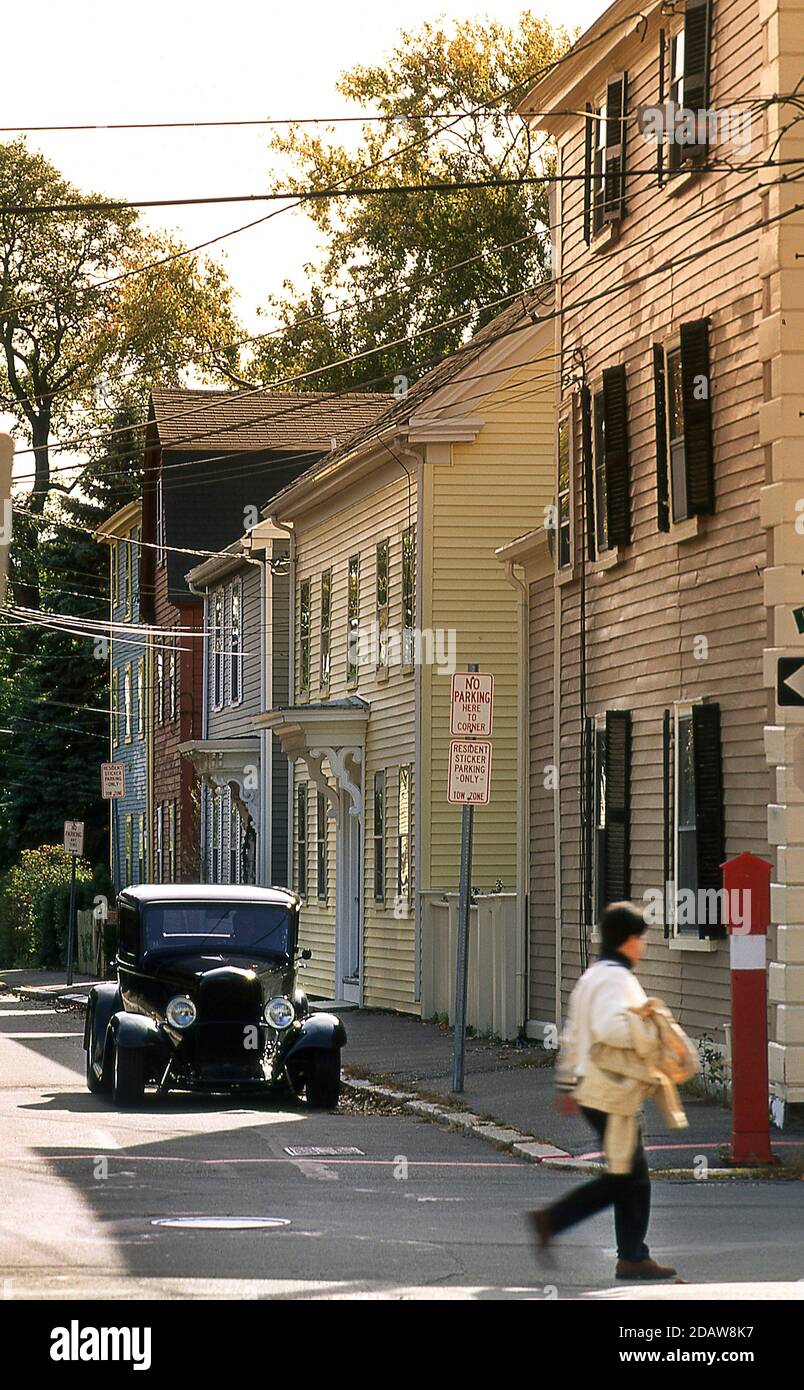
pixel 390 255
pixel 92 308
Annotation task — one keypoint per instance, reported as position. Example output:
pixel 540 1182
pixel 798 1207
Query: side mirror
pixel 306 955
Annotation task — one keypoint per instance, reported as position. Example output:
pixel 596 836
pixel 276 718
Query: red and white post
pixel 746 880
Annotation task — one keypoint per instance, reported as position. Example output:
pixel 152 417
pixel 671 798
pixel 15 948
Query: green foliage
pixel 389 255
pixel 54 910
pixel 27 914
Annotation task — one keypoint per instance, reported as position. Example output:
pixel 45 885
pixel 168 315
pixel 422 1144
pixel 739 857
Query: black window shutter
pixel 614 174
pixel 615 406
pixel 697 46
pixel 667 813
pixel 709 825
pixel 587 175
pixel 660 411
pixel 617 871
pixel 696 391
pixel 588 470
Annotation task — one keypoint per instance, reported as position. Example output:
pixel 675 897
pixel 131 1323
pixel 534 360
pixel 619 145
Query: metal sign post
pixel 74 846
pixel 471 714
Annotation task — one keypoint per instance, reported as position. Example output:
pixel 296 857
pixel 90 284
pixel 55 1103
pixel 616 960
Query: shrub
pixel 30 906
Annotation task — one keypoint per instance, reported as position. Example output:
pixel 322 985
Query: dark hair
pixel 619 921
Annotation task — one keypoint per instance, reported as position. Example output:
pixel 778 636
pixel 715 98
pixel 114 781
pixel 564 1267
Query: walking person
pixel 617 1048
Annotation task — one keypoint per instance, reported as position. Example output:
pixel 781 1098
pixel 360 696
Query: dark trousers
pixel 629 1193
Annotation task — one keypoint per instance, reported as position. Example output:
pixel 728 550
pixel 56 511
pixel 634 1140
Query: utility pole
pixel 6 466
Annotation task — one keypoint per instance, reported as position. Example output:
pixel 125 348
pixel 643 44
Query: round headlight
pixel 279 1013
pixel 180 1012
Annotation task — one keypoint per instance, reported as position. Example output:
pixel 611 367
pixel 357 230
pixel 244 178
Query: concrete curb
pixel 501 1137
pixel 46 994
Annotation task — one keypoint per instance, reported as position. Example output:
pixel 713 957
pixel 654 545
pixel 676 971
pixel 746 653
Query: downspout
pixel 523 797
pixel 557 618
pixel 289 531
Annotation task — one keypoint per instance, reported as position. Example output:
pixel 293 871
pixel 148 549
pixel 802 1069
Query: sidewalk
pixel 46 985
pixel 513 1084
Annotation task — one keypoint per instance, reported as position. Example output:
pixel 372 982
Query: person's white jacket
pixel 598 1012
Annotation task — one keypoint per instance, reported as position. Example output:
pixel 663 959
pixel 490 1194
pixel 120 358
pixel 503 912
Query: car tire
pixel 99 1085
pixel 129 1077
pixel 324 1080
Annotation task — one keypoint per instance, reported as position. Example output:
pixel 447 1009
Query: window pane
pixel 353 616
pixel 408 594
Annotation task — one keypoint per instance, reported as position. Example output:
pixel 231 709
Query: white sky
pixel 89 62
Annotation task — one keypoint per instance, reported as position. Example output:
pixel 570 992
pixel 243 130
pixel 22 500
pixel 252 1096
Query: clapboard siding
pixel 495 488
pixel 645 616
pixel 363 518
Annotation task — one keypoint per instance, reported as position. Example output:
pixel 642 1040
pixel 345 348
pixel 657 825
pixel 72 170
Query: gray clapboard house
pixel 242 770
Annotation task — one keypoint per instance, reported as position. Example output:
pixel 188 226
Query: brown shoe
pixel 539 1222
pixel 642 1269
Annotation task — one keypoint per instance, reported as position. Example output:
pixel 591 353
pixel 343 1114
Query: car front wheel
pixel 324 1080
pixel 99 1085
pixel 129 1077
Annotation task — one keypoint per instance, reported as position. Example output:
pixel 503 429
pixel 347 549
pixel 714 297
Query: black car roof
pixel 209 893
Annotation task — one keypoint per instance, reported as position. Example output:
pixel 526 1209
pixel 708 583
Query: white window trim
pixel 160 521
pixel 565 416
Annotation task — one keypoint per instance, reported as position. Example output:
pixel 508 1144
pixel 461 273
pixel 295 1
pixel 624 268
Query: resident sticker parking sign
pixel 113 781
pixel 472 705
pixel 469 772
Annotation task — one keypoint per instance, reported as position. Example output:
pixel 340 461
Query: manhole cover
pixel 222 1223
pixel 311 1151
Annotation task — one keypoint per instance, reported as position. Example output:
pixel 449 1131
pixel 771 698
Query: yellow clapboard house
pixel 396 584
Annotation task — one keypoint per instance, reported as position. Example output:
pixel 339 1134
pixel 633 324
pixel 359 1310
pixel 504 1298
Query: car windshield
pixel 241 927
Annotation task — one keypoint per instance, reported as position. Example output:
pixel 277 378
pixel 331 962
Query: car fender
pixel 104 1002
pixel 137 1031
pixel 323 1032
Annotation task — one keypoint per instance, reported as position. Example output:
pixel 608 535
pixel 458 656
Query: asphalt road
pixel 415 1212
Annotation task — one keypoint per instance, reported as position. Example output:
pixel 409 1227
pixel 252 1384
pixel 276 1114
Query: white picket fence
pixel 491 1004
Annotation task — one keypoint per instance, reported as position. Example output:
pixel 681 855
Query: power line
pixel 370 190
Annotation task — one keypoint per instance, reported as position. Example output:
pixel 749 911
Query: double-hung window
pixel 379 836
pixel 236 644
pixel 159 847
pixel 404 834
pixel 172 701
pixel 128 547
pixel 353 621
pixel 171 842
pixel 326 628
pixel 305 620
pixel 605 172
pixel 301 839
pixel 129 849
pixel 128 713
pixel 693 820
pixel 563 505
pixel 116 707
pixel 608 478
pixel 160 683
pixel 217 650
pixel 235 834
pixel 321 846
pixel 685 482
pixel 142 849
pixel 383 582
pixel 408 595
pixel 688 87
pixel 608 744
pixel 140 696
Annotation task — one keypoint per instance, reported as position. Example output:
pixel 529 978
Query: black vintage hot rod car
pixel 207 999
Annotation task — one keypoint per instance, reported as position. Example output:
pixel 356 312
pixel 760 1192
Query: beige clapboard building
pixel 396 584
pixel 661 602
